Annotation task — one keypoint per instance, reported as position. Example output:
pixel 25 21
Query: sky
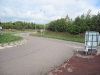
pixel 44 11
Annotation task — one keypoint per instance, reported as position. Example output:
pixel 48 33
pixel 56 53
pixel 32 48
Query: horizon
pixel 44 11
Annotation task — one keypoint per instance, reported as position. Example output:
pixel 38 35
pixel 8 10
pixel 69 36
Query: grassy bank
pixel 8 37
pixel 62 36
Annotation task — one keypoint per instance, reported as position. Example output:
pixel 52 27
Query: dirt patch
pixel 79 66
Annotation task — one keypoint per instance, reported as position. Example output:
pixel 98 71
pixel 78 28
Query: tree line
pixel 80 25
pixel 19 25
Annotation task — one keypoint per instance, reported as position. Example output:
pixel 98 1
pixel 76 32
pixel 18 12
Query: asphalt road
pixel 36 57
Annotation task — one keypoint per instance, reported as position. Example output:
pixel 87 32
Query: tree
pixel 73 29
pixel 59 25
pixel 95 22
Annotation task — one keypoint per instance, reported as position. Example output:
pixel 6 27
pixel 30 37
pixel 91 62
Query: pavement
pixel 36 57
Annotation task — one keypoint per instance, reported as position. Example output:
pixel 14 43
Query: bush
pixel 73 29
pixel 59 25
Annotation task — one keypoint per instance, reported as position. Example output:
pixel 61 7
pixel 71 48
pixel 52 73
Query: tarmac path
pixel 36 57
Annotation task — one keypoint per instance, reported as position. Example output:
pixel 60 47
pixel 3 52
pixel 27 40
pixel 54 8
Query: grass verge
pixel 61 36
pixel 8 37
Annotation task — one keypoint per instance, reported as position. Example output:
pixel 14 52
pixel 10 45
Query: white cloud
pixel 46 10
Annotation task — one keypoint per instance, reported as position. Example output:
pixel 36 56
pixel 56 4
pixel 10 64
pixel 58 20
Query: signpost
pixel 0 30
pixel 42 31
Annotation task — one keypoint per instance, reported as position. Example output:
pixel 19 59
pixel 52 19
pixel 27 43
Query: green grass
pixel 8 37
pixel 62 36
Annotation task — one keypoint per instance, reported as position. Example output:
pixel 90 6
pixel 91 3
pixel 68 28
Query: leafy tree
pixel 73 29
pixel 95 22
pixel 59 25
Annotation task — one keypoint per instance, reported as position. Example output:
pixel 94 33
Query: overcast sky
pixel 44 11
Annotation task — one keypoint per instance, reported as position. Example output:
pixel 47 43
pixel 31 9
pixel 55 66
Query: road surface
pixel 36 57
